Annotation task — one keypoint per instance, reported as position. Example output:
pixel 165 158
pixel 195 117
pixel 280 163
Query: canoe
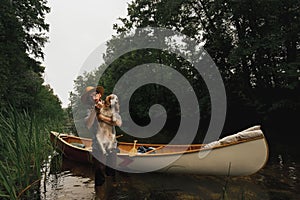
pixel 239 154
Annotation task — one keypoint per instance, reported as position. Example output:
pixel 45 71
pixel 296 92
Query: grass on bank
pixel 24 146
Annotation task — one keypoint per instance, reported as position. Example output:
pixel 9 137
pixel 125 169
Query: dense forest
pixel 255 45
pixel 23 35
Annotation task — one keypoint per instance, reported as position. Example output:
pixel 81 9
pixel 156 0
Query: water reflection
pixel 279 179
pixel 281 175
pixel 67 180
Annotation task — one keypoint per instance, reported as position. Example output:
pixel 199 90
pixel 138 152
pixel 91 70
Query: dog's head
pixel 112 101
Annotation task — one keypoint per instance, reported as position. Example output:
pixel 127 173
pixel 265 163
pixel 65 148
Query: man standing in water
pixel 104 174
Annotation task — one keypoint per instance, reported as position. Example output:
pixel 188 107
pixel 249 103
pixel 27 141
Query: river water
pixel 278 180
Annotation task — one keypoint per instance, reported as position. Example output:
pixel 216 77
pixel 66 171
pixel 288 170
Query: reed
pixel 224 189
pixel 24 145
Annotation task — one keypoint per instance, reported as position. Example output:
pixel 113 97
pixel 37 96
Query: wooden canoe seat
pixel 153 150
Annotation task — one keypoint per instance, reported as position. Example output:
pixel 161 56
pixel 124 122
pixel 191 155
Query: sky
pixel 77 28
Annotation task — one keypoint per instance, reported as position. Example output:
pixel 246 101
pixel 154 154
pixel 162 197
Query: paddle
pixel 133 151
pixel 118 136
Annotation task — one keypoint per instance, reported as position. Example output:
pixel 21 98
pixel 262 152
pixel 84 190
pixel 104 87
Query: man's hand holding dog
pixel 98 105
pixel 109 120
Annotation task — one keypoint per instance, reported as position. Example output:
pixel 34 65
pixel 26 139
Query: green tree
pixel 22 36
pixel 255 44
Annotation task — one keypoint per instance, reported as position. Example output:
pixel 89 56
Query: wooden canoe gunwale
pixel 157 146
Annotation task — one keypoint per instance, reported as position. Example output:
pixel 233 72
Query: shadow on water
pixel 278 180
pixel 67 180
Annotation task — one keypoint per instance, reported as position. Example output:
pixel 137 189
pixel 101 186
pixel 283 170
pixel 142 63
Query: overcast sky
pixel 77 27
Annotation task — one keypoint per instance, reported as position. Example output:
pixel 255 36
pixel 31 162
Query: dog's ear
pixel 107 101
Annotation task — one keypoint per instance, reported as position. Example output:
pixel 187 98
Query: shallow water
pixel 278 180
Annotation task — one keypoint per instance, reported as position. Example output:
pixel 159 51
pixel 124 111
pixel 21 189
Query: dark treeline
pixel 22 37
pixel 255 45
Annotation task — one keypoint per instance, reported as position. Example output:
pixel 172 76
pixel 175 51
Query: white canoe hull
pixel 239 159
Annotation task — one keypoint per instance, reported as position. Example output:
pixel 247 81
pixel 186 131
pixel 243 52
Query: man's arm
pixel 90 118
pixel 109 120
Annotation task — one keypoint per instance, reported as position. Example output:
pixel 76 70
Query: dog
pixel 106 134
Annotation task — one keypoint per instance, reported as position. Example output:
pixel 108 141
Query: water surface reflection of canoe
pixel 240 154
